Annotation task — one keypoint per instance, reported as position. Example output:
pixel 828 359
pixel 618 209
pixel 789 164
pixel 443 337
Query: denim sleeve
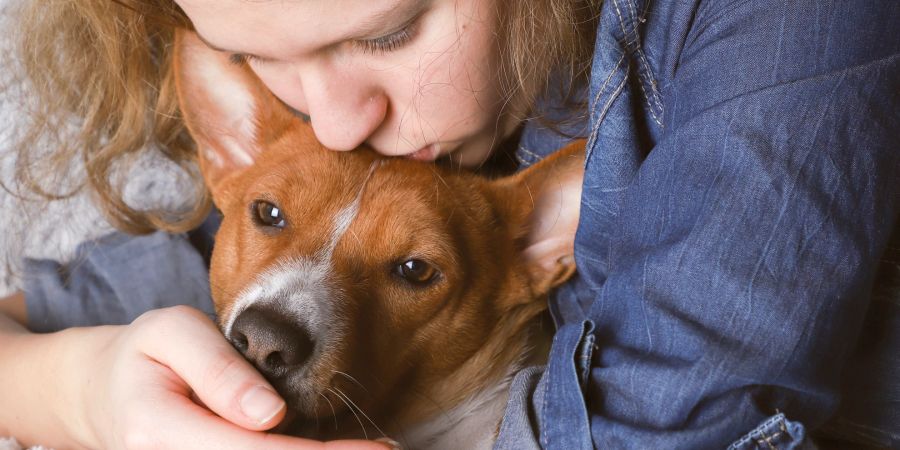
pixel 115 279
pixel 740 189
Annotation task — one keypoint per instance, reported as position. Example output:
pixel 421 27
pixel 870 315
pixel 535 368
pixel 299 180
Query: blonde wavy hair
pixel 108 63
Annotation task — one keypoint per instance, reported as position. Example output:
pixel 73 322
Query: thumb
pixel 192 346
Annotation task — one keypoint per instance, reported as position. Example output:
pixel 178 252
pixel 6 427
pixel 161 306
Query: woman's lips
pixel 428 153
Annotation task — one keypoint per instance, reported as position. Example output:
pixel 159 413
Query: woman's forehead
pixel 294 27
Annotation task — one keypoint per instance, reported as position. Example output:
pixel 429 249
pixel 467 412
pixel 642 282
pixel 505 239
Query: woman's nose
pixel 345 109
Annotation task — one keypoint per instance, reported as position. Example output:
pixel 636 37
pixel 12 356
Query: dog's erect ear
pixel 228 111
pixel 546 200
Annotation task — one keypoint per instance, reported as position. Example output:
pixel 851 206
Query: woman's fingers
pixel 174 421
pixel 213 370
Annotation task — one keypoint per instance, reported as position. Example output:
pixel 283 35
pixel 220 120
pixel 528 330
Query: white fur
pixel 302 286
pixel 347 215
pixel 471 425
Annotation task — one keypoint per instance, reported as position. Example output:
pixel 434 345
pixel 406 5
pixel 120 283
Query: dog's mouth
pixel 319 428
pixel 333 416
pixel 322 410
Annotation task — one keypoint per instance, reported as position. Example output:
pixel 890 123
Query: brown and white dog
pixel 378 295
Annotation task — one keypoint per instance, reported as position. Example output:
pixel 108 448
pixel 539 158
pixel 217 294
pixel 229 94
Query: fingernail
pixel 390 442
pixel 261 404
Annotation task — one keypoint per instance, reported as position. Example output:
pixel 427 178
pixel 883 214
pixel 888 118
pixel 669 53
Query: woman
pixel 739 192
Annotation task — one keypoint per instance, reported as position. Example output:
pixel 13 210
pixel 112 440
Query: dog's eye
pixel 267 214
pixel 417 272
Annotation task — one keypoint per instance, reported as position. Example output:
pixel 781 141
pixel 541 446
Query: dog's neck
pixel 478 389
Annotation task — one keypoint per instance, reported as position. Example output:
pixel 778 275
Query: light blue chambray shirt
pixel 741 188
pixel 740 191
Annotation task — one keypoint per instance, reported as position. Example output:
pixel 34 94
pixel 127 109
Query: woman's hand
pixel 169 380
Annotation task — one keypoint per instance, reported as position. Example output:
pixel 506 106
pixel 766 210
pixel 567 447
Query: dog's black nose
pixel 272 342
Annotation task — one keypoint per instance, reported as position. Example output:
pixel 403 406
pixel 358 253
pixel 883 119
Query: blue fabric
pixel 740 189
pixel 115 279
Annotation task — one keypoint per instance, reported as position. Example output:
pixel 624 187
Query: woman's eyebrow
pixel 376 23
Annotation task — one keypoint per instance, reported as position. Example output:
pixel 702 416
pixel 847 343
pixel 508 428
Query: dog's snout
pixel 272 342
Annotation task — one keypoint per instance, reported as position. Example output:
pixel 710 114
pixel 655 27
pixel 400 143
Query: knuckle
pixel 174 317
pixel 222 372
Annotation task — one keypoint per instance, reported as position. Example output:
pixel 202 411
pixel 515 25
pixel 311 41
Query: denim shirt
pixel 739 191
pixel 740 188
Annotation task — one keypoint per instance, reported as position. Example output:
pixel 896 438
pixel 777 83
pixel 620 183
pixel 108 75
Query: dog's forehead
pixel 393 204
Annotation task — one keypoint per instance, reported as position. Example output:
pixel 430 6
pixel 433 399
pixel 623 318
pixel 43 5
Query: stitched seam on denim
pixel 767 440
pixel 602 115
pixel 647 99
pixel 606 81
pixel 534 157
pixel 651 80
pixel 593 105
pixel 630 46
pixel 644 71
pixel 633 45
pixel 629 43
pixel 642 55
pixel 751 436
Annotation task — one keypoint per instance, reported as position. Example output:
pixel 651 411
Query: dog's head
pixel 348 275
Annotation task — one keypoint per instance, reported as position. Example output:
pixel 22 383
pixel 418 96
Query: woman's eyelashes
pixel 243 58
pixel 380 45
pixel 390 42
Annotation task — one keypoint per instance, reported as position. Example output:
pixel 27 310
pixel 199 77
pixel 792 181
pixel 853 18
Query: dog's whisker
pixel 361 425
pixel 362 412
pixel 354 380
pixel 316 408
pixel 333 413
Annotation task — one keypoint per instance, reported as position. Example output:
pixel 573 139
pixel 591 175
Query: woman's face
pixel 417 78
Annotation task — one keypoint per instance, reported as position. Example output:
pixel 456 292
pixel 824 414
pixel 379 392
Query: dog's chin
pixel 319 427
pixel 303 396
pixel 312 408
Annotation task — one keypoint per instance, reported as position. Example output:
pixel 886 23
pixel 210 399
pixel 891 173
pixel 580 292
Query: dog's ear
pixel 545 200
pixel 228 111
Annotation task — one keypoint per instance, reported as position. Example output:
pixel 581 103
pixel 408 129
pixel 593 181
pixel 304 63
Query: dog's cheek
pixel 222 266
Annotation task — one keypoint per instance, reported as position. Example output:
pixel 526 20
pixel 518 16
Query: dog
pixel 380 296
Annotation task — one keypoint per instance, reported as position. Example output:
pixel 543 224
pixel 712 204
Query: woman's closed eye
pixel 389 42
pixel 243 58
pixel 379 45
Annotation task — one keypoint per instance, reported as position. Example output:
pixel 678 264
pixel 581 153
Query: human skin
pixel 420 81
pixel 417 78
pixel 135 387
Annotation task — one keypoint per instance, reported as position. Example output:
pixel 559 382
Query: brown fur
pixel 412 352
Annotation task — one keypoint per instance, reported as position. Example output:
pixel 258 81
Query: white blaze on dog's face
pixel 349 274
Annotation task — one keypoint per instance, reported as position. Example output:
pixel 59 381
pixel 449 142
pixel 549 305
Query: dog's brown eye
pixel 417 271
pixel 267 214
